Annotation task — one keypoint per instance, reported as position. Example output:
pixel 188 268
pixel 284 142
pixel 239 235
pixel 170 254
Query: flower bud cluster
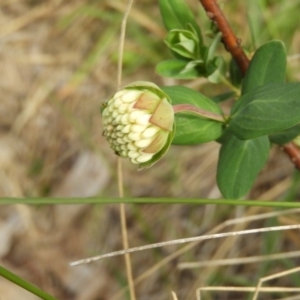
pixel 138 122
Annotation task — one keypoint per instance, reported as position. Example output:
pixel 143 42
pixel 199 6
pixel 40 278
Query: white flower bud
pixel 138 122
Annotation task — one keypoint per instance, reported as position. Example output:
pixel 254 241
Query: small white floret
pixel 134 136
pixel 119 134
pixel 143 143
pixel 123 154
pixel 127 139
pixel 120 93
pixel 120 141
pixel 138 128
pixel 114 114
pixel 143 119
pixel 118 102
pixel 144 157
pixel 135 114
pixel 131 95
pixel 126 128
pixel 150 132
pixel 134 161
pixel 132 147
pixel 110 108
pixel 110 101
pixel 105 113
pixel 109 127
pixel 122 108
pixel 124 119
pixel 133 154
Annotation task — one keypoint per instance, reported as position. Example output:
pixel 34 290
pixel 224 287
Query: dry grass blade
pixel 120 171
pixel 31 106
pixel 238 261
pixel 185 240
pixel 242 220
pixel 246 289
pixel 140 17
pixel 174 296
pixel 297 297
pixel 267 278
pixel 30 17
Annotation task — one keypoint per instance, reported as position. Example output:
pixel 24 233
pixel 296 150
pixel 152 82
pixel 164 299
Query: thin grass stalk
pixel 120 171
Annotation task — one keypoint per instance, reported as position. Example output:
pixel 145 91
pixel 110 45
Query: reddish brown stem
pixel 198 111
pixel 231 42
pixel 293 151
pixel 233 45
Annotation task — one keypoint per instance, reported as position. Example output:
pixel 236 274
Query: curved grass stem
pixel 25 284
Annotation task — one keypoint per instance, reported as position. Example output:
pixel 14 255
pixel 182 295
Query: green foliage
pixel 269 109
pixel 239 163
pixel 184 42
pixel 285 136
pixel 267 66
pixel 179 69
pixel 176 14
pixel 184 39
pixel 190 129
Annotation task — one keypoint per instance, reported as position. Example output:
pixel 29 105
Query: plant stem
pixel 231 86
pixel 293 151
pixel 99 200
pixel 231 42
pixel 120 172
pixel 233 45
pixel 198 111
pixel 24 284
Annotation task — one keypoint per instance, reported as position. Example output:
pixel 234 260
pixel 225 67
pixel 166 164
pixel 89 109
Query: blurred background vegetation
pixel 58 63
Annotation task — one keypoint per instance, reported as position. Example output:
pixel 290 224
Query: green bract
pixel 138 122
pixel 193 129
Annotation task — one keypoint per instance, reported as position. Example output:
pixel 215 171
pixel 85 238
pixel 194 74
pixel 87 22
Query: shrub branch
pixel 231 42
pixel 233 46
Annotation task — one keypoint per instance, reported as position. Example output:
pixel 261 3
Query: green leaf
pixel 285 136
pixel 216 70
pixel 210 52
pixel 267 110
pixel 239 164
pixel 191 129
pixel 176 15
pixel 267 66
pixel 179 69
pixel 184 42
pixel 226 136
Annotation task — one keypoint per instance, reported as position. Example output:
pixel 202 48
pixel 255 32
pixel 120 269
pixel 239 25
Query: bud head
pixel 138 122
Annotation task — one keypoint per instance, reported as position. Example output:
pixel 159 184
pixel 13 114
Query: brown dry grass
pixel 57 64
